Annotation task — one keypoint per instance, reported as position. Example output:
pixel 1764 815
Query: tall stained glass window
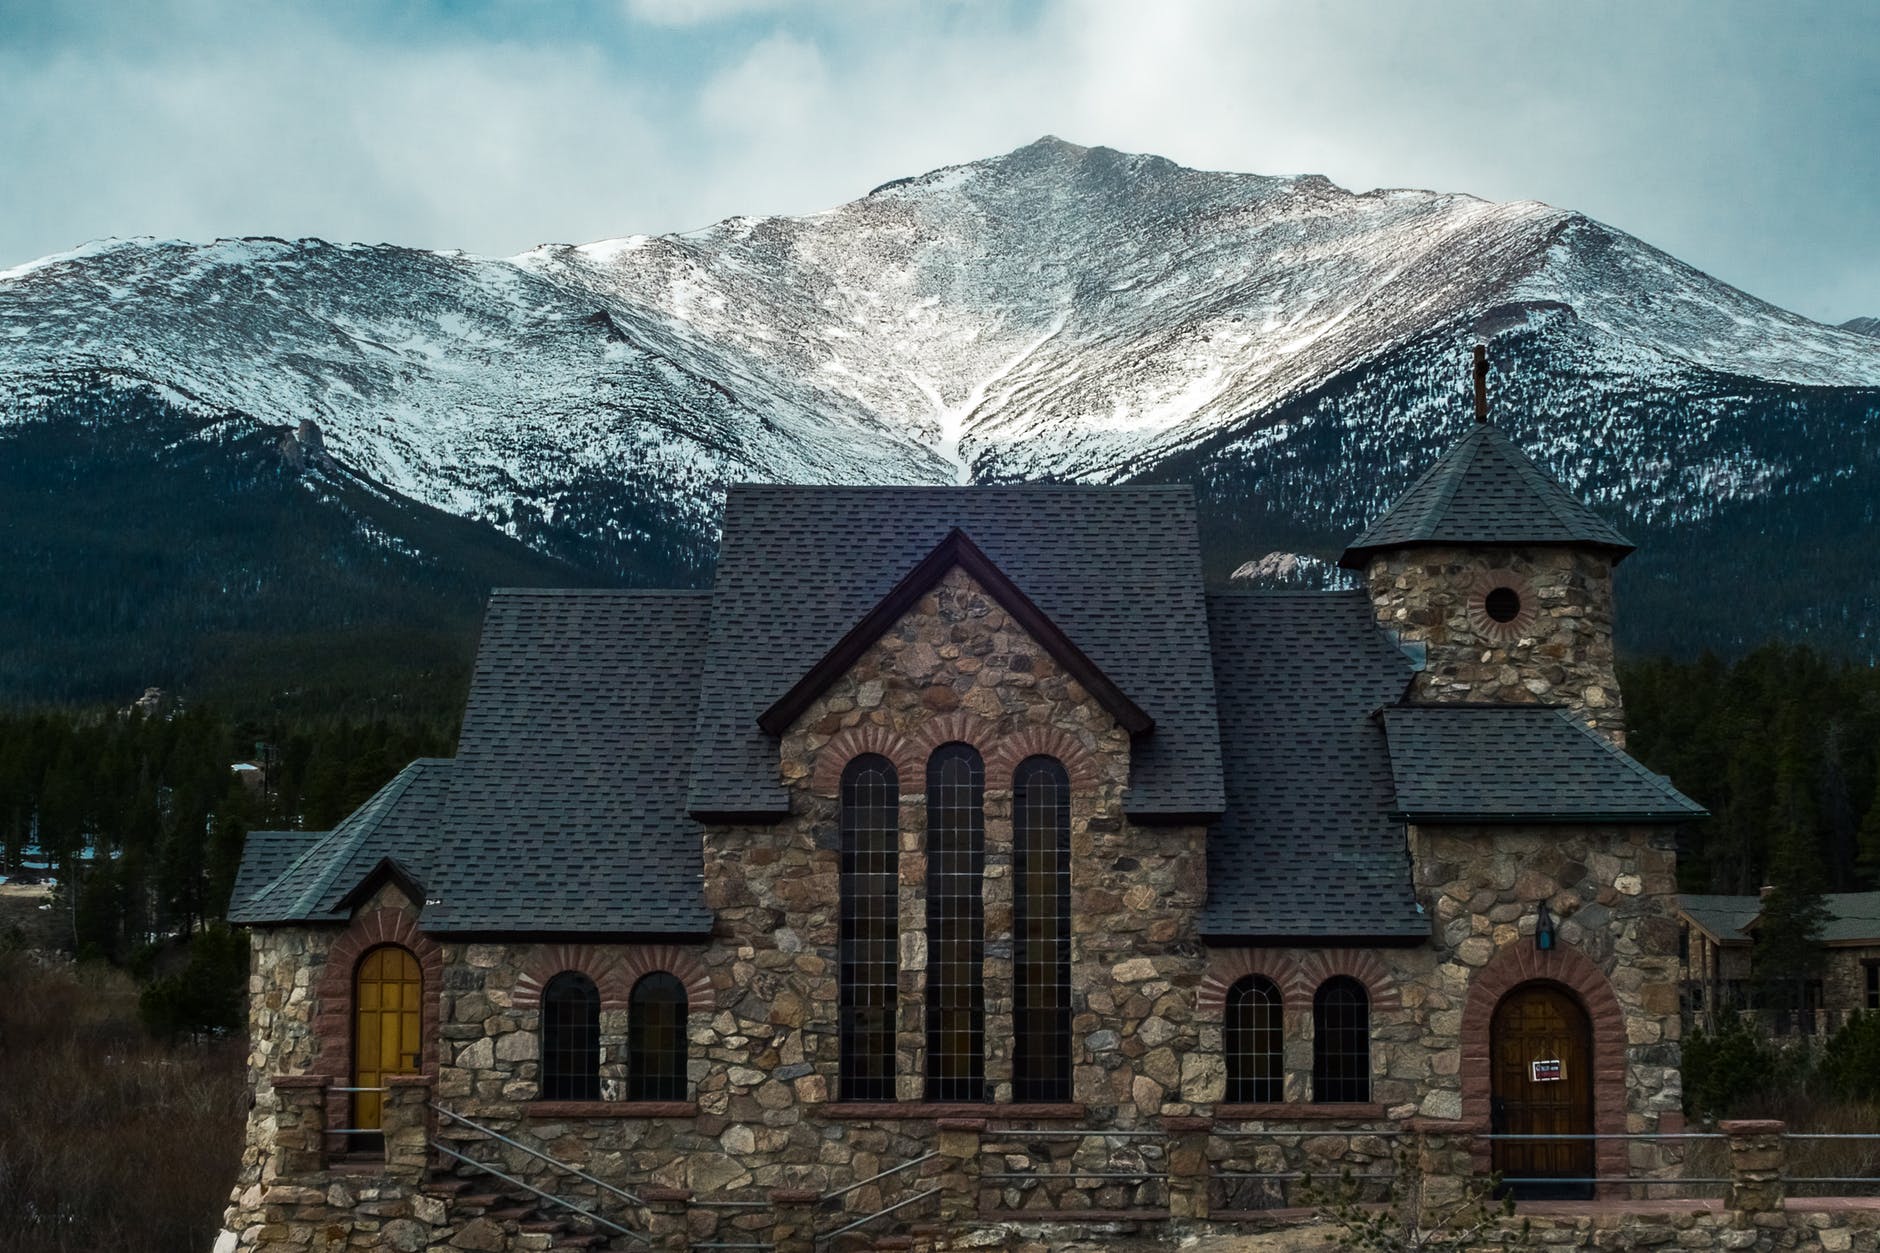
pixel 956 928
pixel 869 949
pixel 1041 931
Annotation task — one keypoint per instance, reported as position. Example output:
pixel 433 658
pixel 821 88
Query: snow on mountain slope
pixel 1055 312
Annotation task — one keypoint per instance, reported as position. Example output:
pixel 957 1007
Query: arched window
pixel 1341 1041
pixel 870 935
pixel 1041 931
pixel 656 1039
pixel 1255 1062
pixel 571 1038
pixel 956 929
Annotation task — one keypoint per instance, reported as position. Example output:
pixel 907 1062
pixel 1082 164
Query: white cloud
pixel 1738 144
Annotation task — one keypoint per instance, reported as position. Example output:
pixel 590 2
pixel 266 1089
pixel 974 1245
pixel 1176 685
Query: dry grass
pixel 1816 1159
pixel 108 1139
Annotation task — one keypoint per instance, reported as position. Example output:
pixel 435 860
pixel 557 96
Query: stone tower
pixel 1503 576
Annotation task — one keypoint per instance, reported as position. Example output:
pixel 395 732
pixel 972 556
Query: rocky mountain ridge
pixel 1294 349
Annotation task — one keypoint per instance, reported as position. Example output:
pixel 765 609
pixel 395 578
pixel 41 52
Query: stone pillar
pixel 1756 1154
pixel 1187 1166
pixel 299 1147
pixel 668 1223
pixel 793 1215
pixel 959 1170
pixel 405 1119
pixel 1444 1157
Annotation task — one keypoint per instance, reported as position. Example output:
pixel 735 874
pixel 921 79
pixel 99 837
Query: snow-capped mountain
pixel 1295 349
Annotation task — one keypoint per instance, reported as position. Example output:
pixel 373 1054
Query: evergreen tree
pixel 1788 951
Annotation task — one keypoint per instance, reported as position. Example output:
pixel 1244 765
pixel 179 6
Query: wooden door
pixel 388 997
pixel 1541 1055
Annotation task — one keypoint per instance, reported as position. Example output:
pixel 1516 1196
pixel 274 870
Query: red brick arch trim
pixel 1519 963
pixel 641 960
pixel 1014 750
pixel 1360 964
pixel 955 727
pixel 834 757
pixel 1230 966
pixel 1298 976
pixel 554 959
pixel 333 997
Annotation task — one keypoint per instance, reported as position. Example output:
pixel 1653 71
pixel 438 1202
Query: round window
pixel 1503 604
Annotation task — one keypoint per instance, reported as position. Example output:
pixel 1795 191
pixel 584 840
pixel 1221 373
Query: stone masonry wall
pixel 1844 977
pixel 763 1111
pixel 1557 650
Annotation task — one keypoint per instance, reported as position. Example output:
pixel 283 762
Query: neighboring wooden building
pixel 1718 969
pixel 954 810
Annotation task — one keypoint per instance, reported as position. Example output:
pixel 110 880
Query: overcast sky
pixel 1743 138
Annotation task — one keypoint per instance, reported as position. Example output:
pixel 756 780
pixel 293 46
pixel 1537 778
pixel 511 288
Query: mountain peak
pixel 1863 326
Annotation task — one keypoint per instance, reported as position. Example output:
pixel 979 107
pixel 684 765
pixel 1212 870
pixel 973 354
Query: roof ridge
pixel 322 882
pixel 1466 454
pixel 1661 782
pixel 1540 480
pixel 600 591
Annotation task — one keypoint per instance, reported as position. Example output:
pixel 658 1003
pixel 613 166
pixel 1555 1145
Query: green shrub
pixel 1735 1064
pixel 1849 1066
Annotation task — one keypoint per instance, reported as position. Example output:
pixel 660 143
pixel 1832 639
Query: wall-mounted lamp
pixel 1544 929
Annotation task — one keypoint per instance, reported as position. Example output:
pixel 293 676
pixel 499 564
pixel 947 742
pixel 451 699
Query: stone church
pixel 974 812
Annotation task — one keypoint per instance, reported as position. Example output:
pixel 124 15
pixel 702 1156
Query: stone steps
pixel 472 1199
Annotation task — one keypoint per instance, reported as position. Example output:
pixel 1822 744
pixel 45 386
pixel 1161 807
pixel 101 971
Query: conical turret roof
pixel 1486 492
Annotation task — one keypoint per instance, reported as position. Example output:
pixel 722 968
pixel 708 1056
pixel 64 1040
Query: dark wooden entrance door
pixel 1541 1051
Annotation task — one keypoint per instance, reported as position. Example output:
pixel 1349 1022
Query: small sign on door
pixel 1548 1071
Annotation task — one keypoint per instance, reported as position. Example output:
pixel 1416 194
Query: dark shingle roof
pixel 567 809
pixel 1853 917
pixel 1519 763
pixel 1307 847
pixel 1485 490
pixel 1118 569
pixel 265 856
pixel 399 821
pixel 1724 917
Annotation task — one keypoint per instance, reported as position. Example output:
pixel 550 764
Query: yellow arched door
pixel 388 999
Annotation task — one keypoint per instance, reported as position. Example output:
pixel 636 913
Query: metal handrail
pixel 1602 1135
pixel 1048 1176
pixel 869 1218
pixel 546 1196
pixel 1382 1133
pixel 558 1164
pixel 892 1170
pixel 1036 1133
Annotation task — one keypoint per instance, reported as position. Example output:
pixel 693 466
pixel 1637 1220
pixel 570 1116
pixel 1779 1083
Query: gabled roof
pixel 265 855
pixel 955 550
pixel 566 811
pixel 1486 491
pixel 1307 848
pixel 398 821
pixel 1853 917
pixel 1722 918
pixel 1116 569
pixel 1519 763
